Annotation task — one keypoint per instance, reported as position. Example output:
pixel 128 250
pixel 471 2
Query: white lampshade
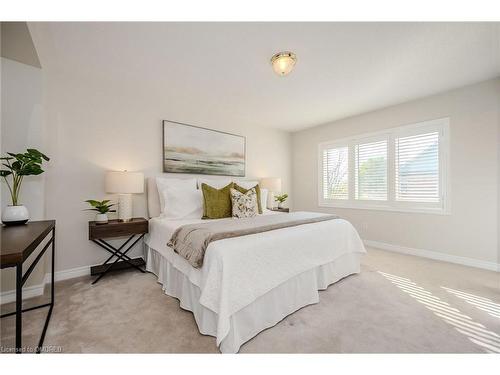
pixel 123 182
pixel 273 184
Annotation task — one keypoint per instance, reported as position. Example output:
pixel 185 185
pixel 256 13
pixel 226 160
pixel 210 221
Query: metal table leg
pixel 19 308
pixel 118 253
pixel 52 293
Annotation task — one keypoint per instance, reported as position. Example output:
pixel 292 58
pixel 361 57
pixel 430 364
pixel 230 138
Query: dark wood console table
pixel 17 244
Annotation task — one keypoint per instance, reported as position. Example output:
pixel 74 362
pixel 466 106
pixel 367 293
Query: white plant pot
pixel 15 215
pixel 101 218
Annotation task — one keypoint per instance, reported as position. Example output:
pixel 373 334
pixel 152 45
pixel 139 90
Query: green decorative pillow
pixel 216 202
pixel 257 190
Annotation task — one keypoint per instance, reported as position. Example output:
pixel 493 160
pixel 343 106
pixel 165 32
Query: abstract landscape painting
pixel 191 149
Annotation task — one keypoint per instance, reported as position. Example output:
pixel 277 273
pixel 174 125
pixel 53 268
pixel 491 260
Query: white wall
pixel 96 126
pixel 471 229
pixel 23 127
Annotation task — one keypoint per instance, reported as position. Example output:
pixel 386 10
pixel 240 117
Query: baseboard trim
pixel 28 292
pixel 68 274
pixel 37 290
pixel 490 266
pixel 72 272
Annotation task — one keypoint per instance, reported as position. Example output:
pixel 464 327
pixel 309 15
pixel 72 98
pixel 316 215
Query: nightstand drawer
pixel 115 228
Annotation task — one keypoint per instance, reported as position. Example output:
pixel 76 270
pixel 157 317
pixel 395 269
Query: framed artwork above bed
pixel 192 149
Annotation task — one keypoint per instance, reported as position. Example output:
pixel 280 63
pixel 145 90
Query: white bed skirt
pixel 266 311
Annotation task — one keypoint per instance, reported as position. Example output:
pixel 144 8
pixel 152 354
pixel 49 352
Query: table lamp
pixel 273 185
pixel 124 184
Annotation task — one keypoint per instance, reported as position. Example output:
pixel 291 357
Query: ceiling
pixel 343 69
pixel 16 43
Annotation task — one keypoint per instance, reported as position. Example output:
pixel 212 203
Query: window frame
pixel 441 208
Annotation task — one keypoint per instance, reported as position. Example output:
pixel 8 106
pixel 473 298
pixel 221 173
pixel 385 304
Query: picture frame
pixel 197 150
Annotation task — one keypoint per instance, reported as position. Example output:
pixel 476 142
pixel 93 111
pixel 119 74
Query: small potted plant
pixel 281 199
pixel 102 208
pixel 18 166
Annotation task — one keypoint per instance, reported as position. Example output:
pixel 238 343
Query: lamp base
pixel 124 207
pixel 270 200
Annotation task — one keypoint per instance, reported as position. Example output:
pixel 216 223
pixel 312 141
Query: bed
pixel 250 283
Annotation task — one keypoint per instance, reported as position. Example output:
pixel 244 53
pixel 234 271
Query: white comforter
pixel 236 271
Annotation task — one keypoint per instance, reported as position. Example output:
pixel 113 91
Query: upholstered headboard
pixel 153 198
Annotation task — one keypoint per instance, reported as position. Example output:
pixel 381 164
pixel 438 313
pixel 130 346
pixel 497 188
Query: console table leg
pixel 51 304
pixel 52 277
pixel 19 307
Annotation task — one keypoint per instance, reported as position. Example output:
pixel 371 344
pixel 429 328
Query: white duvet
pixel 237 271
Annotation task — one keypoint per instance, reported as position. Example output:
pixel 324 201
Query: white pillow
pixel 215 183
pixel 162 183
pixel 182 203
pixel 263 199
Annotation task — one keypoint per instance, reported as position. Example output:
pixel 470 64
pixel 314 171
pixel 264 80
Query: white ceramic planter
pixel 15 215
pixel 101 218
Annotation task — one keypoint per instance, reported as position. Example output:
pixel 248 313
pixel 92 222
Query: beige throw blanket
pixel 191 241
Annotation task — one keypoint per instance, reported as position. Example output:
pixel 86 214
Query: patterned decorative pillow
pixel 244 204
pixel 243 190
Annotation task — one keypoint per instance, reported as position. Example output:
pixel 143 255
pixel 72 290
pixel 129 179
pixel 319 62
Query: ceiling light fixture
pixel 283 63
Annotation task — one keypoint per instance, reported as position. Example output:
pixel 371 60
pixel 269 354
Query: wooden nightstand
pixel 114 228
pixel 280 209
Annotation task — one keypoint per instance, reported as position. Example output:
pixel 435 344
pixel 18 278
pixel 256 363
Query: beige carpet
pixel 409 312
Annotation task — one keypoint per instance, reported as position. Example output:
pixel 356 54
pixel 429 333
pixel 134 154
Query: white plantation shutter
pixel 417 168
pixel 371 171
pixel 335 173
pixel 399 169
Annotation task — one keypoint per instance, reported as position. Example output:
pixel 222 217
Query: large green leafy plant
pixel 17 166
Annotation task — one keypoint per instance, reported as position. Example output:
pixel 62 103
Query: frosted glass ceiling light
pixel 283 63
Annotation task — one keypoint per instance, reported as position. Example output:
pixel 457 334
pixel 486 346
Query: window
pixel 417 168
pixel 371 171
pixel 335 173
pixel 400 169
